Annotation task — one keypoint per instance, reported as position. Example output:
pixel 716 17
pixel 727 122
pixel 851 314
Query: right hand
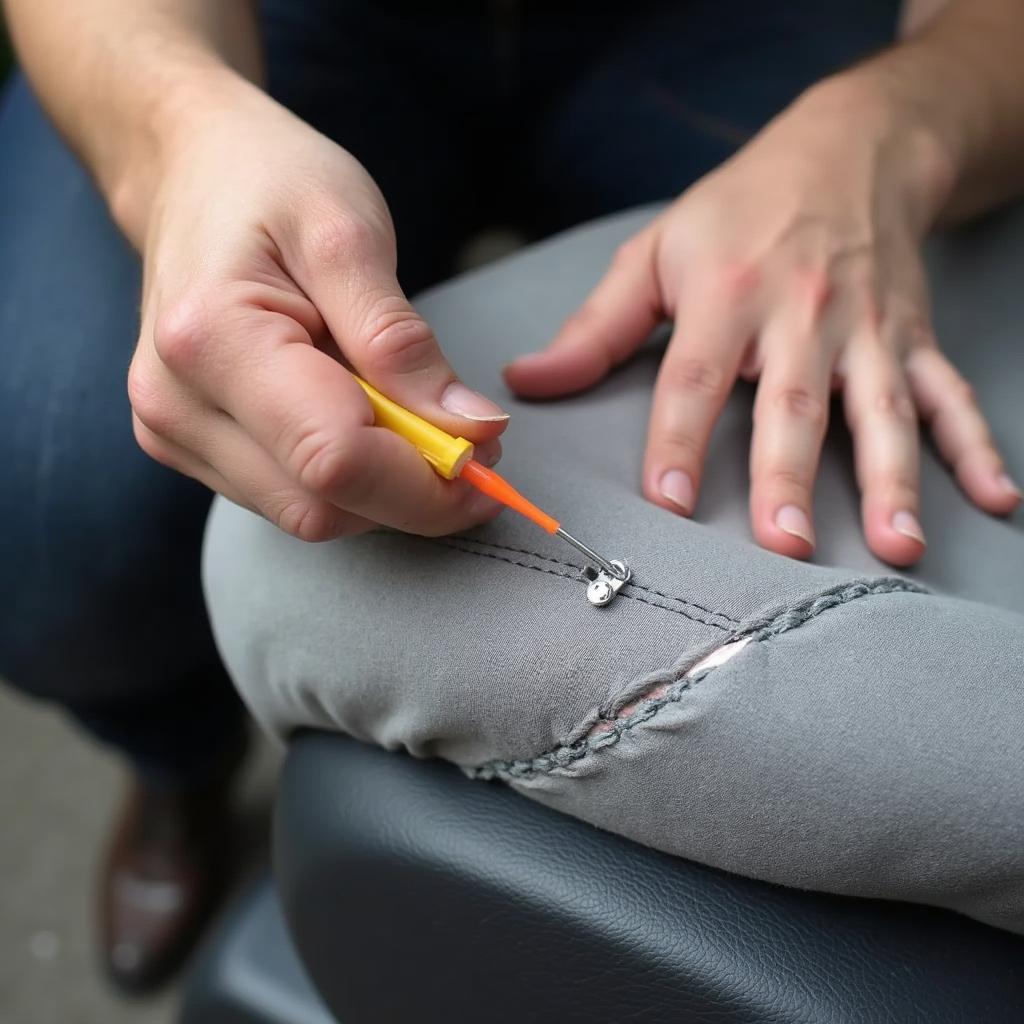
pixel 269 258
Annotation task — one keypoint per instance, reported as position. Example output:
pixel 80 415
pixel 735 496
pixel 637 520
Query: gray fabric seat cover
pixel 867 739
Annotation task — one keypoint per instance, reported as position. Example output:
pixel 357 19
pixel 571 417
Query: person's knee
pixel 861 737
pixel 869 746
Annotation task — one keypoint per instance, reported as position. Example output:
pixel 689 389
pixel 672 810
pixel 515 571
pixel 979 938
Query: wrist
pixel 179 107
pixel 914 154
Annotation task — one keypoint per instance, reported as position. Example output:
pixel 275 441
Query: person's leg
pixel 99 554
pixel 409 90
pixel 662 93
pixel 100 546
pixel 865 736
pixel 100 551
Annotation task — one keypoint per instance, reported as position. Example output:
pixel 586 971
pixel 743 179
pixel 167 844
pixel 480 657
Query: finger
pixel 489 453
pixel 319 424
pixel 249 478
pixel 181 460
pixel 613 322
pixel 304 408
pixel 883 422
pixel 351 281
pixel 695 379
pixel 790 419
pixel 946 403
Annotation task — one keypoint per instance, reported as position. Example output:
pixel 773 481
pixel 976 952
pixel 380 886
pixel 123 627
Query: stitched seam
pixel 571 565
pixel 634 586
pixel 503 558
pixel 760 631
pixel 627 591
pixel 624 593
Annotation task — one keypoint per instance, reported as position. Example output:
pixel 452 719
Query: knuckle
pixel 919 331
pixel 145 438
pixel 814 288
pixel 147 399
pixel 801 404
pixel 786 479
pixel 698 377
pixel 679 448
pixel 307 520
pixel 896 486
pixel 323 465
pixel 736 279
pixel 957 397
pixel 871 337
pixel 340 240
pixel 180 334
pixel 152 445
pixel 628 252
pixel 399 340
pixel 894 404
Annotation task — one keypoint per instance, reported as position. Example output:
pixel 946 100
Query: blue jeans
pixel 539 115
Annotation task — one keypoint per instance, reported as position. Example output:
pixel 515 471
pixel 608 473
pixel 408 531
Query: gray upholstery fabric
pixel 868 736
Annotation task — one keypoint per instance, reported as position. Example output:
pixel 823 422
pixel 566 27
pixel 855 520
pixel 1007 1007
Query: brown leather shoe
pixel 164 873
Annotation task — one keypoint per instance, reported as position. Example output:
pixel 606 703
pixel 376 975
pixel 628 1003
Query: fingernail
pixel 678 488
pixel 461 401
pixel 794 521
pixel 1007 484
pixel 907 524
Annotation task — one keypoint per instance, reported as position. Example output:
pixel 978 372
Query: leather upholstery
pixel 415 894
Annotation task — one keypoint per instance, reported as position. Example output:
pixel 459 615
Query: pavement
pixel 59 793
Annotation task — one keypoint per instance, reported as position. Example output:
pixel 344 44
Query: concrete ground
pixel 58 796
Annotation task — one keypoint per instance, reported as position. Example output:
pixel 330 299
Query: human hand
pixel 797 264
pixel 269 258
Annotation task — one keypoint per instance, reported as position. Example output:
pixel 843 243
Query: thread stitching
pixel 628 591
pixel 761 630
pixel 571 565
pixel 625 592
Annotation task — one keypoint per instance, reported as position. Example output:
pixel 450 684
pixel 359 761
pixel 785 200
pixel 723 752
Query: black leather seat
pixel 414 894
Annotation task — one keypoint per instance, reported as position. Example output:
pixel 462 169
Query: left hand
pixel 798 264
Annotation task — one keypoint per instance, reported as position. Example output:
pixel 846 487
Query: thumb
pixel 609 327
pixel 392 346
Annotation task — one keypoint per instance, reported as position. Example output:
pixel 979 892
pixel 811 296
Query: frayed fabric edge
pixel 630 709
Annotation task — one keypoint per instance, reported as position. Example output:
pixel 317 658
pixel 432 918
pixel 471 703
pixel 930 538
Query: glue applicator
pixel 452 457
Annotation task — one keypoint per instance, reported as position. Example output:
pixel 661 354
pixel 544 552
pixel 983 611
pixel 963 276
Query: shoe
pixel 164 874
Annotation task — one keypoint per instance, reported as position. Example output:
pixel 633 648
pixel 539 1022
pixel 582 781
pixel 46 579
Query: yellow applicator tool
pixel 452 457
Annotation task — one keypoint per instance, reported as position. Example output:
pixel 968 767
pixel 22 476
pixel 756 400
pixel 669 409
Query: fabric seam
pixel 572 565
pixel 627 591
pixel 760 630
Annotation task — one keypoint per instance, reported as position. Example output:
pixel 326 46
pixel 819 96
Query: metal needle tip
pixel 607 566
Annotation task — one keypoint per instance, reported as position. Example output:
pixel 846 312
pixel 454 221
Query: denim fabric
pixel 867 738
pixel 99 546
pixel 465 113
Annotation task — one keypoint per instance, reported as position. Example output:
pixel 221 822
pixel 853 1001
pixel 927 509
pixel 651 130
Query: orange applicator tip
pixel 452 457
pixel 486 480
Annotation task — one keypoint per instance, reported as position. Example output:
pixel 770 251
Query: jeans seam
pixel 567 755
pixel 628 591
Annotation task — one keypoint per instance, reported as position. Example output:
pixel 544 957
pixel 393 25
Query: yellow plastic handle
pixel 445 453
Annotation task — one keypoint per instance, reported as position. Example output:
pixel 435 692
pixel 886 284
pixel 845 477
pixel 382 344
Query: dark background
pixel 5 51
